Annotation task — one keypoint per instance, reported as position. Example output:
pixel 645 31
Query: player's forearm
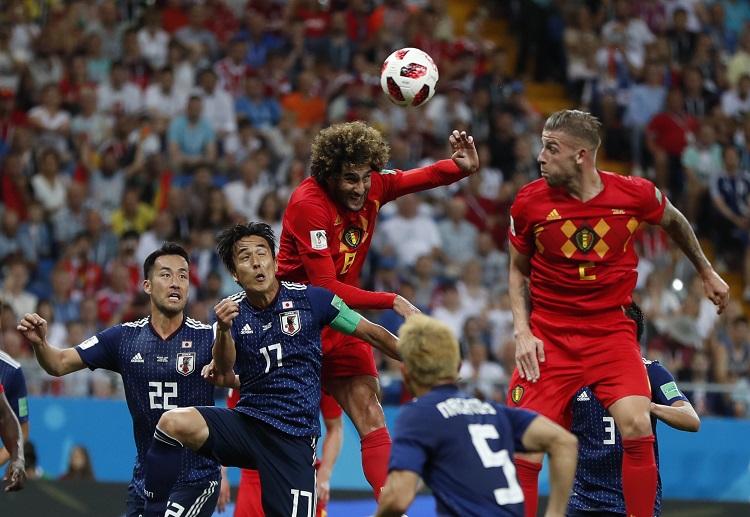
pixel 679 229
pixel 682 417
pixel 53 360
pixel 394 501
pixel 520 300
pixel 224 353
pixel 332 443
pixel 11 434
pixel 379 338
pixel 443 172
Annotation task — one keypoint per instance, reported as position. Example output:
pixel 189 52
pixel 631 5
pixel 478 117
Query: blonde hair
pixel 429 350
pixel 580 125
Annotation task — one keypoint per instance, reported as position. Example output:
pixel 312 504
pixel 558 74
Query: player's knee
pixel 635 425
pixel 176 423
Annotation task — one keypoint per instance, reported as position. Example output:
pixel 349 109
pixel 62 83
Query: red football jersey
pixel 582 254
pixel 326 245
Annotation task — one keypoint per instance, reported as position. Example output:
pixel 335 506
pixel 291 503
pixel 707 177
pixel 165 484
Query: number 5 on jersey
pixel 480 433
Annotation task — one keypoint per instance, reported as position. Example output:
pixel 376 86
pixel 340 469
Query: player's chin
pixel 356 206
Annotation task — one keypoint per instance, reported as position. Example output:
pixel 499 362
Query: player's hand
pixel 225 494
pixel 404 307
pixel 226 310
pixel 324 490
pixel 16 475
pixel 464 152
pixel 716 289
pixel 222 380
pixel 34 328
pixel 529 353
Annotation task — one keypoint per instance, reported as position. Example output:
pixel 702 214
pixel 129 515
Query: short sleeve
pixel 519 420
pixel 15 391
pixel 663 385
pixel 100 351
pixel 518 231
pixel 308 223
pixel 410 448
pixel 652 201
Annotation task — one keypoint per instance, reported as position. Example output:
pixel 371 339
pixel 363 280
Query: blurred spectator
pixel 450 311
pixel 473 293
pixel 698 374
pixel 114 300
pixel 261 110
pixel 33 469
pixel 457 235
pixel 739 63
pixel 70 220
pixel 97 64
pixel 153 40
pixel 62 304
pixel 447 110
pixel 218 215
pixel 103 242
pixel 182 66
pixel 79 465
pixel 164 100
pixel 737 344
pixel 335 45
pixel 270 211
pixel 125 256
pixel 109 29
pixel 730 195
pixel 89 128
pixel 218 105
pixel 646 99
pixel 735 103
pixel 10 116
pixel 482 377
pixel 75 80
pixel 699 100
pixel 11 62
pixel 681 40
pixel 410 226
pixel 500 323
pixel 36 231
pixel 14 291
pixel 701 160
pixel 117 95
pixel 200 42
pixel 191 138
pixel 630 29
pixel 232 69
pixel 305 102
pixel 107 184
pixel 46 67
pixel 424 279
pixel 244 194
pixel 14 245
pixel 138 67
pixel 86 275
pixel 494 264
pixel 50 184
pixel 160 231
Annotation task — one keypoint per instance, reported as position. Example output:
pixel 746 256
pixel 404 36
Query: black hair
pixel 168 248
pixel 227 239
pixel 635 313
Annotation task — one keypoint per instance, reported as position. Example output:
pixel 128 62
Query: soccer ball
pixel 408 77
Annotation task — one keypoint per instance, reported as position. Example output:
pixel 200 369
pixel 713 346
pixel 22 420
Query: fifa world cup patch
pixel 517 394
pixel 318 239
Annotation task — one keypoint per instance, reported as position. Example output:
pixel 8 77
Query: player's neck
pixel 263 300
pixel 588 186
pixel 166 324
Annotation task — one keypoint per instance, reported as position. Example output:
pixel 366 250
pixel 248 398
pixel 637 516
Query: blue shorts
pixel 194 500
pixel 285 463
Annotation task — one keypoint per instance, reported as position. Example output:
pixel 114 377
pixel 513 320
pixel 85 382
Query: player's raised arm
pixel 224 353
pixel 543 435
pixel 55 361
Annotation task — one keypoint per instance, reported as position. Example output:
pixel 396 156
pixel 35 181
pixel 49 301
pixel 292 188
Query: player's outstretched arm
pixel 680 415
pixel 224 353
pixel 378 337
pixel 678 227
pixel 398 494
pixel 543 435
pixel 529 349
pixel 53 360
pixel 12 438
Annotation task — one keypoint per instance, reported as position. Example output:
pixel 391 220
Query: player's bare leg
pixel 633 418
pixel 358 397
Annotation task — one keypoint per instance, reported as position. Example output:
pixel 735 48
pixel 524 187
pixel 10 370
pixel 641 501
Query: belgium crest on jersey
pixel 517 394
pixel 290 322
pixel 186 363
pixel 584 239
pixel 353 236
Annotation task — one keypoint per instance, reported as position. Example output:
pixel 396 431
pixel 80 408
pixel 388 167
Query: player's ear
pixel 147 286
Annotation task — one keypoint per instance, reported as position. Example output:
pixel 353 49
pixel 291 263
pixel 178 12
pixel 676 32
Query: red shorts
pixel 344 356
pixel 248 496
pixel 596 350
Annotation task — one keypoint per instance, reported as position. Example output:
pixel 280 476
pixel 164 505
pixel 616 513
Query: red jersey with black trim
pixel 582 254
pixel 326 245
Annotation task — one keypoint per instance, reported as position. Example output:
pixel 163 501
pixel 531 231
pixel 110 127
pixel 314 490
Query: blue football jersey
pixel 279 355
pixel 14 381
pixel 158 375
pixel 463 449
pixel 598 482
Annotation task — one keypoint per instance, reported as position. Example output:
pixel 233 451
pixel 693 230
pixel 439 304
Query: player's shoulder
pixel 197 325
pixel 534 188
pixel 624 182
pixel 134 325
pixel 7 362
pixel 307 192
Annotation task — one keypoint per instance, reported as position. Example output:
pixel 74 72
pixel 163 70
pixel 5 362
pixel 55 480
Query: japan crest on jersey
pixel 290 323
pixel 186 363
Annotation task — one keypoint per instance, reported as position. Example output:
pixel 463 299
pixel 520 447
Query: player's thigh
pixel 358 397
pixel 134 504
pixel 345 356
pixel 287 474
pixel 193 500
pixel 232 439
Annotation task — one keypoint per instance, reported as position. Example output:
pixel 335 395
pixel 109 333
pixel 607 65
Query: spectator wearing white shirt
pixel 109 28
pixel 218 105
pixel 164 100
pixel 118 95
pixel 410 234
pixel 475 296
pixel 482 377
pixel 450 311
pixel 50 185
pixel 244 195
pixel 458 236
pixel 51 123
pixel 636 33
pixel 447 110
pixel 153 40
pixel 735 103
pixel 14 291
pixel 90 126
pixel 232 69
pixel 107 185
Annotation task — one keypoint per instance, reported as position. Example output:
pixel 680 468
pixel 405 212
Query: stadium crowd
pixel 125 124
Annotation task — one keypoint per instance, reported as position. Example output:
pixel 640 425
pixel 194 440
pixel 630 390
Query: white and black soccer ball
pixel 408 77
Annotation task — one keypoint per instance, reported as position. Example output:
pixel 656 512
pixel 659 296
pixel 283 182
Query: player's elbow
pixel 693 424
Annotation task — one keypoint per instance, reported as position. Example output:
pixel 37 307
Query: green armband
pixel 347 320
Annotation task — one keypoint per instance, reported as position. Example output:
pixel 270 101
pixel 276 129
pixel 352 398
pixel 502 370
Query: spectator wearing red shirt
pixel 15 192
pixel 668 134
pixel 10 116
pixel 74 80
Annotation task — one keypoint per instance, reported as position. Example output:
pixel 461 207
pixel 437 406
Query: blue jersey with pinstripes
pixel 14 381
pixel 598 482
pixel 279 356
pixel 158 375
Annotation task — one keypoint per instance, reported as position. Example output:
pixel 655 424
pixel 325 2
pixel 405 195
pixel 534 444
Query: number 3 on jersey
pixel 480 433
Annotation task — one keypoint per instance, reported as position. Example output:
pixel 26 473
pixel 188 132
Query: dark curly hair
pixel 227 239
pixel 635 313
pixel 346 145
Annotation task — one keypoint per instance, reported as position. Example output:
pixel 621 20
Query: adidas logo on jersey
pixel 583 397
pixel 137 358
pixel 553 215
pixel 246 329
